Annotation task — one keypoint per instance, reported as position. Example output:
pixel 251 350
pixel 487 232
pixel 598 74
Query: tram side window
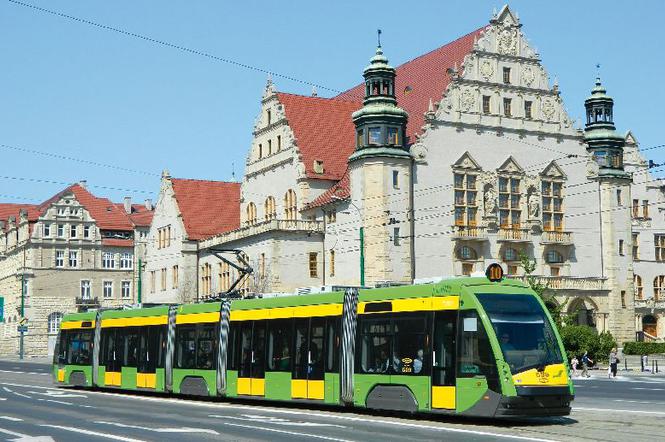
pixel 280 345
pixel 129 346
pixel 475 357
pixel 185 346
pixel 411 344
pixel 107 346
pixel 79 347
pixel 444 348
pixel 60 351
pixel 205 353
pixel 151 349
pixel 375 352
pixel 333 345
pixel 232 349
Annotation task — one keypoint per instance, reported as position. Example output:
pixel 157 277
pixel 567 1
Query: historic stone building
pixel 458 158
pixel 73 252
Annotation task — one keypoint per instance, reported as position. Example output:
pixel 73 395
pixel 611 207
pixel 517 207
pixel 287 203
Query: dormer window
pixel 359 138
pixel 393 136
pixel 374 135
pixel 506 75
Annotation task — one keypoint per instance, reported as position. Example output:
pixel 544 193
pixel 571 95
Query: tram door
pixel 111 357
pixel 251 375
pixel 149 356
pixel 308 371
pixel 444 358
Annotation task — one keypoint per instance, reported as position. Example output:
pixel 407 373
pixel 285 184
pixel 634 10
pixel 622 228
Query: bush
pixel 578 339
pixel 643 348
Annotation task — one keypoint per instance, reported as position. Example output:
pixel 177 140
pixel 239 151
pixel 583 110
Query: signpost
pixel 22 329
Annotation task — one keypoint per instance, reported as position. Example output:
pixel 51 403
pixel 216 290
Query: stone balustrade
pixel 514 235
pixel 470 232
pixel 568 282
pixel 262 227
pixel 557 237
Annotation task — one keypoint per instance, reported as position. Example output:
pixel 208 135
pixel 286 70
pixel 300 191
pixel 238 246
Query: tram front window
pixel 524 332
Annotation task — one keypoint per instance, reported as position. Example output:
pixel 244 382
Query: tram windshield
pixel 523 330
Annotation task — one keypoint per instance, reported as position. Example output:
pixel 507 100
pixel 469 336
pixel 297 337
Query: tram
pixel 477 346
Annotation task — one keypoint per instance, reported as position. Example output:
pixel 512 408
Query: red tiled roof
pixel 207 207
pixel 107 214
pixel 323 130
pixel 426 78
pixel 117 242
pixel 140 216
pixel 8 209
pixel 341 190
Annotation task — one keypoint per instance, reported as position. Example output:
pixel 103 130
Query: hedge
pixel 643 348
pixel 578 339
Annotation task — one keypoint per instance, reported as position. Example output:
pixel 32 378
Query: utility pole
pixel 22 333
pixel 361 232
pixel 140 282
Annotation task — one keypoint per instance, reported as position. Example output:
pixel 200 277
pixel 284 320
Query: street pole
pixel 362 255
pixel 140 282
pixel 21 333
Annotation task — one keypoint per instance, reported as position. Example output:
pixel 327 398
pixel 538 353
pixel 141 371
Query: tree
pixel 556 310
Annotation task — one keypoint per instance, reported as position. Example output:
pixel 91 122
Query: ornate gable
pixel 466 161
pixel 553 171
pixel 510 166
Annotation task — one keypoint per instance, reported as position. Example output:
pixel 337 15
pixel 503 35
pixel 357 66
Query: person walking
pixel 586 360
pixel 573 363
pixel 614 362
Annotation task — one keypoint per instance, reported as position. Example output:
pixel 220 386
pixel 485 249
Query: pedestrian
pixel 573 363
pixel 614 362
pixel 586 360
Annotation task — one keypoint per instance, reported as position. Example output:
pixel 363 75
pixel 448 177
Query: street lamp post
pixel 361 237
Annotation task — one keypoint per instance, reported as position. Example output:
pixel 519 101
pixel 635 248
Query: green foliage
pixel 580 338
pixel 606 344
pixel 643 348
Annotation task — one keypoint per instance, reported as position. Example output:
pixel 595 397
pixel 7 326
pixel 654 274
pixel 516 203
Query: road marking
pixel 278 421
pixel 58 394
pixel 16 393
pixel 161 430
pixel 3 398
pixel 24 372
pixel 638 402
pixel 13 433
pixel 292 433
pixel 658 413
pixel 54 401
pixel 10 418
pixel 92 433
pixel 650 389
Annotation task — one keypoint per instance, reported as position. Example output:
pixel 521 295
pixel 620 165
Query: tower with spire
pixel 380 175
pixel 605 146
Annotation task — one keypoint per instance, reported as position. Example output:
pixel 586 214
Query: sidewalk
pixel 29 360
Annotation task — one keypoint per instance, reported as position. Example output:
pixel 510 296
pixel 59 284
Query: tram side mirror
pixel 470 324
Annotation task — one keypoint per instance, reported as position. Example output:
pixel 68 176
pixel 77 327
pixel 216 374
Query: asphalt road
pixel 31 409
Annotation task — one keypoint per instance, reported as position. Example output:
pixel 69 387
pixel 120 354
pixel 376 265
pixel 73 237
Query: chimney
pixel 84 184
pixel 128 204
pixel 148 204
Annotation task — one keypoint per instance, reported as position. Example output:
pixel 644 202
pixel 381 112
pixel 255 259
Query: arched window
pixel 290 205
pixel 54 320
pixel 639 289
pixel 251 213
pixel 467 253
pixel 650 325
pixel 659 287
pixel 270 211
pixel 511 254
pixel 554 257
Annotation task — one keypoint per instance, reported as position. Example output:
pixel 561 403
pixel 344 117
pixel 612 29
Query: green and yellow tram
pixel 467 346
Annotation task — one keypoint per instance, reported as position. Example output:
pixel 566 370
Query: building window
pixel 313 264
pixel 510 254
pixel 659 242
pixel 224 276
pixel 639 289
pixel 251 214
pixel 555 271
pixel 108 260
pixel 331 216
pixel 374 135
pixel 636 246
pixel 269 147
pixel 619 197
pixel 86 231
pixel 552 205
pixel 554 257
pixel 467 253
pixel 262 265
pixel 73 259
pixel 506 107
pixel 59 258
pixel 636 208
pixel 510 215
pixel 126 260
pixel 174 277
pixel 85 289
pixel 54 320
pixel 164 237
pixel 125 289
pixel 162 278
pixel 206 278
pixel 108 289
pixel 62 211
pixel 396 238
pixel 467 269
pixel 466 208
pixel 527 109
pixel 61 230
pixel 153 282
pixel 279 143
pixel 512 269
pixel 395 179
pixel 645 209
pixel 270 208
pixel 269 116
pixel 393 136
pixel 332 263
pixel 359 138
pixel 623 299
pixel 260 151
pixel 290 205
pixel 486 104
pixel 72 231
pixel 659 287
pixel 506 75
pixel 47 230
pixel 621 251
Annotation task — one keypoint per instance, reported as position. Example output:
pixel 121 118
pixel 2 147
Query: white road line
pixel 54 401
pixel 17 394
pixel 11 418
pixel 639 402
pixel 292 433
pixel 161 430
pixel 92 433
pixel 3 398
pixel 650 389
pixel 13 433
pixel 24 372
pixel 657 413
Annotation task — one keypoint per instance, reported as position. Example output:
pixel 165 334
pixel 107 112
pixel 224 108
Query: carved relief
pixel 419 152
pixel 486 69
pixel 533 203
pixel 489 200
pixel 467 100
pixel 528 76
pixel 548 108
pixel 507 41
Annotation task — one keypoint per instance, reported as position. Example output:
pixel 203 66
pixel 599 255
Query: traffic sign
pixel 22 328
pixel 23 321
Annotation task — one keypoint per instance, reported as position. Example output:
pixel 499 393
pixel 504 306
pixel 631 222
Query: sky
pixel 80 102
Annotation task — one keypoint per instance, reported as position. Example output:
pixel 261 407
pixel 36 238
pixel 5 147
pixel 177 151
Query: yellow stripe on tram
pixel 413 304
pixel 134 321
pixel 69 325
pixel 196 318
pixel 305 311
